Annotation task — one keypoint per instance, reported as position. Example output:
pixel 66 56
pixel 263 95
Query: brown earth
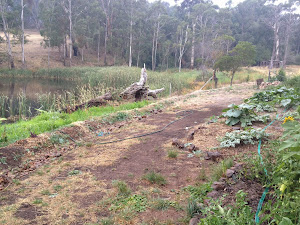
pixel 72 183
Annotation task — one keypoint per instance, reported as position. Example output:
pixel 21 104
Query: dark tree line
pixel 193 35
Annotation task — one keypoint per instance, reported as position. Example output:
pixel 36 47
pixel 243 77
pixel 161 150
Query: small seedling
pixel 3 160
pixel 74 172
pixel 57 188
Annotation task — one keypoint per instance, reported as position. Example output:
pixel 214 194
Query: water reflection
pixel 15 93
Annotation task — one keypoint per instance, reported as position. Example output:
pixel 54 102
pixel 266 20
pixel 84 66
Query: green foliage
pixel 293 82
pixel 281 96
pixel 198 193
pixel 243 114
pixel 74 172
pixel 243 54
pixel 238 137
pixel 220 170
pixel 3 160
pixel 136 203
pixel 155 178
pixel 48 121
pixel 281 76
pixel 163 204
pixel 239 213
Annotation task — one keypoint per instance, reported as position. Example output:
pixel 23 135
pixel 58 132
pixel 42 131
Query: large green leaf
pixel 286 221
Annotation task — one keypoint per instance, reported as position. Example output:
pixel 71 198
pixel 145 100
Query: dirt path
pixel 76 185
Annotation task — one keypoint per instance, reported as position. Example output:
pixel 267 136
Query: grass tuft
pixel 155 178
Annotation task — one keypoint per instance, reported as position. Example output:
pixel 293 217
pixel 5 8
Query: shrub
pixel 281 76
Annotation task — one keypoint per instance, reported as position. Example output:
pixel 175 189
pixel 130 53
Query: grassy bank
pixel 48 121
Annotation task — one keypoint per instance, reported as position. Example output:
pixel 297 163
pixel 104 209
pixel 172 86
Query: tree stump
pixel 138 91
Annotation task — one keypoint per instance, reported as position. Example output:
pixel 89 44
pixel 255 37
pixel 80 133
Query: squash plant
pixel 243 114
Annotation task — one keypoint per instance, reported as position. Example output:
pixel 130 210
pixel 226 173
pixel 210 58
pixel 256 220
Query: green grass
pixel 49 121
pixel 122 187
pixel 221 168
pixel 172 153
pixel 155 178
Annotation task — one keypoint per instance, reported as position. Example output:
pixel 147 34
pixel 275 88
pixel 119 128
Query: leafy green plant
pixel 243 114
pixel 3 160
pixel 238 137
pixel 136 203
pixel 282 96
pixel 155 178
pixel 239 213
pixel 281 76
pixel 74 172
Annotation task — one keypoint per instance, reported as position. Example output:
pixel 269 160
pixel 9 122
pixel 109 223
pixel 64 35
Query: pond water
pixel 20 95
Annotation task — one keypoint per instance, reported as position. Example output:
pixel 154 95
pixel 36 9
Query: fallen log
pixel 99 101
pixel 139 91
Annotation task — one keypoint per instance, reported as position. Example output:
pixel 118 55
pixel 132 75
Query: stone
pixel 177 143
pixel 213 156
pixel 229 173
pixel 212 194
pixel 218 186
pixel 236 128
pixel 238 166
pixel 194 221
pixel 190 136
pixel 190 148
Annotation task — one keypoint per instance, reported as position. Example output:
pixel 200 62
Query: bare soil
pixel 72 183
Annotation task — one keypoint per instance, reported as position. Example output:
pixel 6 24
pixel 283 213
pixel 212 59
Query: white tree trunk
pixel 7 37
pixel 23 36
pixel 182 42
pixel 70 36
pixel 193 47
pixel 98 50
pixel 130 38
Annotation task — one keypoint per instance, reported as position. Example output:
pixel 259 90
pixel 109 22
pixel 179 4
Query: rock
pixel 177 143
pixel 218 186
pixel 213 156
pixel 238 166
pixel 212 194
pixel 191 148
pixel 3 180
pixel 236 128
pixel 190 136
pixel 229 173
pixel 194 221
pixel 56 155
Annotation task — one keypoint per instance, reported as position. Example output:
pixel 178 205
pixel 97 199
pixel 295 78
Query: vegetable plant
pixel 232 139
pixel 243 114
